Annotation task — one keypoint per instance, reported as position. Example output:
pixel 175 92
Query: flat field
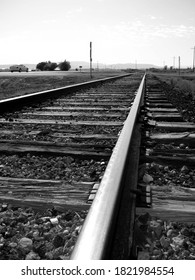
pixel 189 76
pixel 15 84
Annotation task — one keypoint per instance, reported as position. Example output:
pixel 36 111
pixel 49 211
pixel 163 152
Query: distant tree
pixel 50 66
pixel 46 66
pixel 53 66
pixel 41 65
pixel 64 66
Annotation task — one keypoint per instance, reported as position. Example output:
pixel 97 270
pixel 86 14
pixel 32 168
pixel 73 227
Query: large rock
pixel 32 256
pixel 25 244
pixel 165 242
pixel 178 240
pixel 58 241
pixel 156 227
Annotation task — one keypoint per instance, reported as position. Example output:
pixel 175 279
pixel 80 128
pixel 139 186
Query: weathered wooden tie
pixel 45 194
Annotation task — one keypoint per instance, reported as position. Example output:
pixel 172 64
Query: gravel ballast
pixel 158 236
pixel 64 168
pixel 159 239
pixel 29 235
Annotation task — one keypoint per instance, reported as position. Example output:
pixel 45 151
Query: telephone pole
pixel 174 62
pixel 136 64
pixel 91 60
pixel 193 64
pixel 179 62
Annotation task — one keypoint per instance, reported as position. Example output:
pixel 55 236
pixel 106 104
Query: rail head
pixel 94 239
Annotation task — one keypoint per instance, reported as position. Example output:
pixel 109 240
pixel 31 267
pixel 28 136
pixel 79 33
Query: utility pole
pixel 91 60
pixel 136 64
pixel 193 64
pixel 179 61
pixel 174 62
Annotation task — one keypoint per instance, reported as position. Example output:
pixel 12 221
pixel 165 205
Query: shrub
pixel 41 65
pixel 64 66
pixel 46 66
pixel 50 66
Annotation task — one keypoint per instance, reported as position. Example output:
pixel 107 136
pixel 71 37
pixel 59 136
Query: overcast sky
pixel 146 31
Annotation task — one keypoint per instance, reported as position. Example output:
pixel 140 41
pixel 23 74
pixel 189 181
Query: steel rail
pixel 11 103
pixel 94 241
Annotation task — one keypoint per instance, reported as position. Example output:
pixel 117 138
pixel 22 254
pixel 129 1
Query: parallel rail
pixel 96 238
pixel 11 104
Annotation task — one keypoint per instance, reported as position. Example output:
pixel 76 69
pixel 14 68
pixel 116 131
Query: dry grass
pixel 180 91
pixel 184 84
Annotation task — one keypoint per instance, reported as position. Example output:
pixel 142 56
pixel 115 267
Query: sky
pixel 121 31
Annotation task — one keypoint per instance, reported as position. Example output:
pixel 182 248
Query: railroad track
pixel 55 145
pixel 93 152
pixel 152 190
pixel 66 131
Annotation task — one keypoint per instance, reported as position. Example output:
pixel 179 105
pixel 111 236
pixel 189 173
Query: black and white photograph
pixel 97 139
